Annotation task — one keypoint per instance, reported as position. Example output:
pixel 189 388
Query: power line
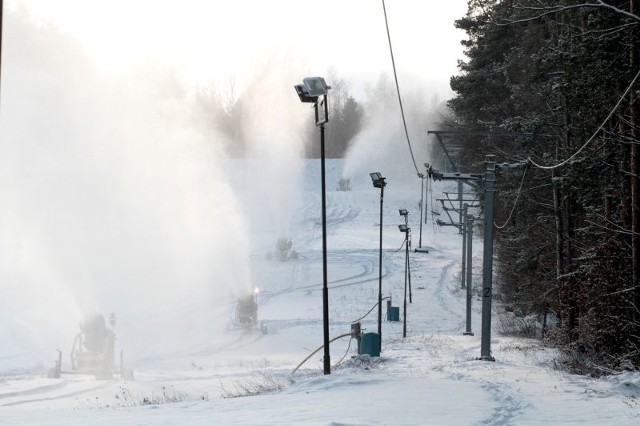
pixel 594 134
pixel 515 202
pixel 395 76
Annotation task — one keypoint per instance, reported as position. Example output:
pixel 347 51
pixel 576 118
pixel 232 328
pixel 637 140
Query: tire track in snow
pixel 243 338
pixel 368 263
pixel 440 295
pixel 34 391
pixel 508 406
pixel 104 385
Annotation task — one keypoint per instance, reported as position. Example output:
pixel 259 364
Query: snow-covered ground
pixel 212 373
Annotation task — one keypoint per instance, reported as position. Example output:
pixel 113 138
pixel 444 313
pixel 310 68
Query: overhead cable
pixel 515 202
pixel 395 76
pixel 594 134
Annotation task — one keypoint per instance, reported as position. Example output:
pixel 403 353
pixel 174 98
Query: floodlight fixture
pixel 309 91
pixel 378 180
pixel 403 212
pixel 303 94
pixel 405 229
pixel 316 86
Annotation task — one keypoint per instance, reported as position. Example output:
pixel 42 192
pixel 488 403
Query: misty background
pixel 137 170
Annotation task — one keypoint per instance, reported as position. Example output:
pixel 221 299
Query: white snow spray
pixel 111 201
pixel 382 145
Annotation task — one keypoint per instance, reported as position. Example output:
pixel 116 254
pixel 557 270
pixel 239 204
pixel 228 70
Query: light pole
pixel 405 213
pixel 405 229
pixel 379 182
pixel 309 92
pixel 421 176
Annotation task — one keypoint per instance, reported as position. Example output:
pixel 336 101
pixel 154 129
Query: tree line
pixel 224 110
pixel 557 82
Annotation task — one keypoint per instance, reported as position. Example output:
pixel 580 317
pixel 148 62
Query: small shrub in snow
pixel 510 324
pixel 362 361
pixel 255 386
pixel 168 395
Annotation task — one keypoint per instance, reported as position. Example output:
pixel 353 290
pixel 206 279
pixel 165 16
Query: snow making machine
pixel 246 315
pixel 93 351
pixel 247 312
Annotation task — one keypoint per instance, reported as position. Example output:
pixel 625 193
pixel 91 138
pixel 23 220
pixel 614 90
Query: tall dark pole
pixel 325 288
pixel 380 271
pixel 406 274
pixel 314 90
pixel 409 265
pixel 487 258
pixel 421 176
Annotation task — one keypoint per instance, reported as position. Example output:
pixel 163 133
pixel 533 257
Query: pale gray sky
pixel 213 40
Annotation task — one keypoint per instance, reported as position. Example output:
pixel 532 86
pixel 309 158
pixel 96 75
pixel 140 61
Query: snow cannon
pixel 247 311
pixel 93 350
pixel 246 315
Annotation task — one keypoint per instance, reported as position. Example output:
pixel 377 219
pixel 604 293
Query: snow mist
pixel 109 202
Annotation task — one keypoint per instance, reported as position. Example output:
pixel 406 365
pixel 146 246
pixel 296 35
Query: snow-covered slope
pixel 193 375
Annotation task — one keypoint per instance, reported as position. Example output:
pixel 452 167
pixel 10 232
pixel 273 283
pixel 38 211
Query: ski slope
pixel 212 373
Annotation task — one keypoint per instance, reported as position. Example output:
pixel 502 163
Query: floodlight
pixel 308 91
pixel 378 180
pixel 303 94
pixel 316 86
pixel 403 212
pixel 403 228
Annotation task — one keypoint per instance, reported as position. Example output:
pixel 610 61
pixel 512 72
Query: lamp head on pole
pixel 316 86
pixel 404 228
pixel 378 180
pixel 403 212
pixel 303 94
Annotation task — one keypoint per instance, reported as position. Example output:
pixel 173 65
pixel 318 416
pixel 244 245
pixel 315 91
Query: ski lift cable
pixel 615 108
pixel 515 202
pixel 395 76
